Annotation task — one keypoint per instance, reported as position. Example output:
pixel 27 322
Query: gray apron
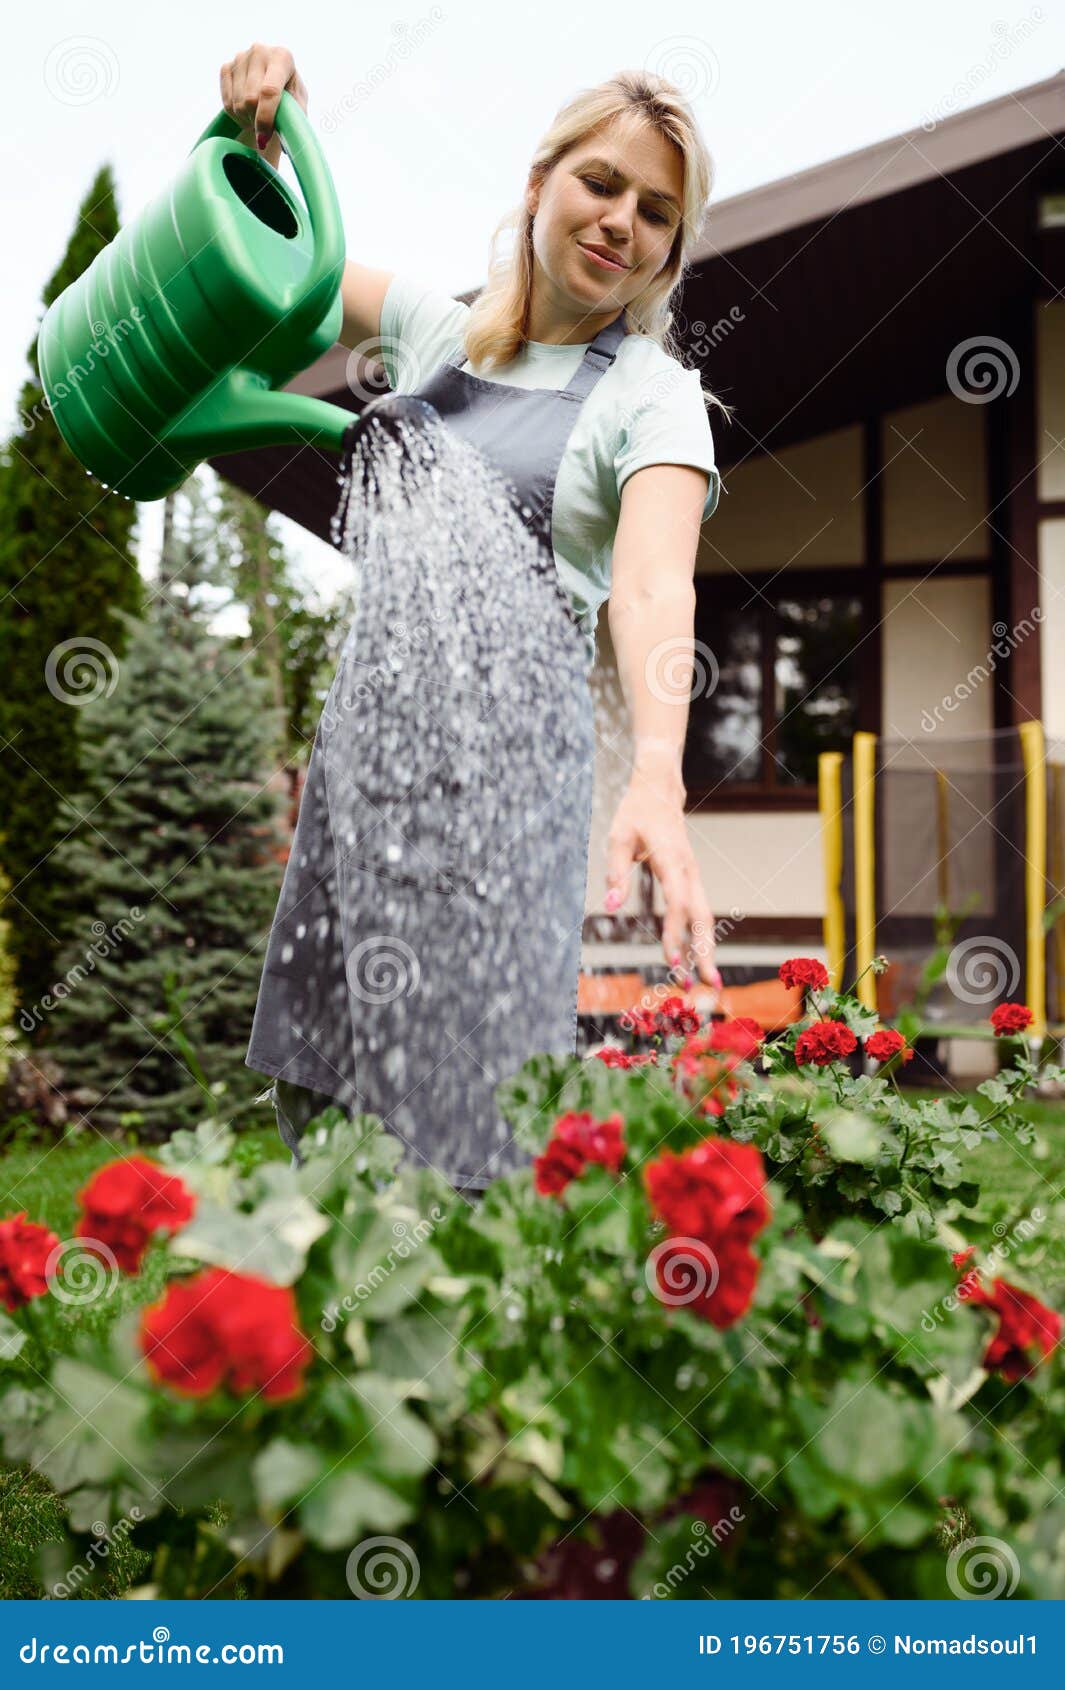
pixel 369 992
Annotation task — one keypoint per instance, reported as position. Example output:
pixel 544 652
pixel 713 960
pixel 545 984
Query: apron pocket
pixel 411 774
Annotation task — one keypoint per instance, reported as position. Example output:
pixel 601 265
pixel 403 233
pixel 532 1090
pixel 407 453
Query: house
pixel 888 554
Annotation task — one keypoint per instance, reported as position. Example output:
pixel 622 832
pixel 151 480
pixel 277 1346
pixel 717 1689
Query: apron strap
pixel 598 358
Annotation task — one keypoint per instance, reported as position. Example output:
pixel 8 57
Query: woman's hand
pixel 252 85
pixel 649 826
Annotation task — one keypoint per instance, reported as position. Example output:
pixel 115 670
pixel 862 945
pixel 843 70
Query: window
pixel 783 685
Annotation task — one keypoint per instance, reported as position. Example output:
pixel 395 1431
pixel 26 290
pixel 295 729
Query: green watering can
pixel 170 347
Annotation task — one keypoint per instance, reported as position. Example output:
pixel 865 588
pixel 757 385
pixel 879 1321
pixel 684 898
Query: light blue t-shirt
pixel 645 409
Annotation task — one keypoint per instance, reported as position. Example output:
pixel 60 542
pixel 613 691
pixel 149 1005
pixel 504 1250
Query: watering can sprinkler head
pixel 386 415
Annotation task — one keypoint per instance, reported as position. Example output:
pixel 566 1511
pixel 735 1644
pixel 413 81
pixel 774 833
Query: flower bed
pixel 727 1334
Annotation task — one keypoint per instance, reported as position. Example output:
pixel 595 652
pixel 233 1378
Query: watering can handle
pixel 318 288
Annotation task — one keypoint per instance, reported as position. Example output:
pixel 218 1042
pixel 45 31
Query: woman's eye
pixel 596 187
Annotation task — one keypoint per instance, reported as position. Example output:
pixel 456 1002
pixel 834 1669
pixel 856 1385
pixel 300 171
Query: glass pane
pixel 725 721
pixel 816 667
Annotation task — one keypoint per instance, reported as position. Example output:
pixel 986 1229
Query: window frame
pixel 735 592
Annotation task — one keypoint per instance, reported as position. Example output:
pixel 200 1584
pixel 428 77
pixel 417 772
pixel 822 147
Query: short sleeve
pixel 420 327
pixel 669 425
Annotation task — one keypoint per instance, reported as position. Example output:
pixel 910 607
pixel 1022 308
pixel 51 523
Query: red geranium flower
pixel 576 1140
pixel 1025 1324
pixel 25 1247
pixel 125 1202
pixel 1011 1018
pixel 740 1036
pixel 612 1057
pixel 226 1329
pixel 970 1284
pixel 715 1191
pixel 673 1015
pixel 717 1285
pixel 704 1062
pixel 824 1042
pixel 804 971
pixel 885 1043
pixel 713 1103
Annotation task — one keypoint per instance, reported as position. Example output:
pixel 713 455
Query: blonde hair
pixel 497 328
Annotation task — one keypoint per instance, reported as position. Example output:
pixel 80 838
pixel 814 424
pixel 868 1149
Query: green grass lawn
pixel 42 1177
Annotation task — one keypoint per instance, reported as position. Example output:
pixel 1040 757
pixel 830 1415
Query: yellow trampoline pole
pixel 1033 749
pixel 864 762
pixel 830 804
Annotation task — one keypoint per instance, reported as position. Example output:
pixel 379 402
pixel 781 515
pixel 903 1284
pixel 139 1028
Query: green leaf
pixel 416 1350
pixel 382 1260
pixel 399 1444
pixel 12 1338
pixel 851 1138
pixel 349 1505
pixel 284 1471
pixel 272 1242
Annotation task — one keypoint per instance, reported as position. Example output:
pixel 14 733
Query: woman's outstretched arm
pixel 651 616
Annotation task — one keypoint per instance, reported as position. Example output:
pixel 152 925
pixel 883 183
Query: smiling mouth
pixel 597 258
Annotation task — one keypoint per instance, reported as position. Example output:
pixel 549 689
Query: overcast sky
pixel 428 112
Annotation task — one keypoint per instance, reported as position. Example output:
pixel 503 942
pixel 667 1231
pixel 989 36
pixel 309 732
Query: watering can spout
pixel 241 411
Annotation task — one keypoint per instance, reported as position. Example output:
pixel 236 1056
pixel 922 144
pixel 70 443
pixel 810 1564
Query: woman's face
pixel 618 191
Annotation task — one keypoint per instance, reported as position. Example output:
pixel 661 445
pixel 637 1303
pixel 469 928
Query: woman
pixel 604 436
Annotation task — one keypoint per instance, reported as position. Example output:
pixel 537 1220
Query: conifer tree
pixel 172 873
pixel 66 566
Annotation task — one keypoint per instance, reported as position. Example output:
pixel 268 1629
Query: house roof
pixel 886 167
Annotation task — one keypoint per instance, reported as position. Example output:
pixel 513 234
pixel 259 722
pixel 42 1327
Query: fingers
pixel 251 85
pixel 621 844
pixel 687 908
pixel 673 881
pixel 279 67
